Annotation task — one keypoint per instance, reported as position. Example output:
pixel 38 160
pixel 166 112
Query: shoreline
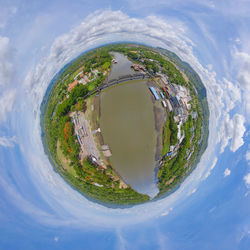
pixel 160 117
pixel 95 119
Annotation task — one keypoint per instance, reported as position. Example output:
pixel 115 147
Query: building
pixel 138 67
pixel 106 151
pixel 93 160
pixel 79 139
pixel 86 78
pixel 153 91
pixel 194 114
pixel 162 96
pixel 166 92
pixel 164 104
pixel 170 109
pixel 174 102
pixel 172 88
pixel 72 85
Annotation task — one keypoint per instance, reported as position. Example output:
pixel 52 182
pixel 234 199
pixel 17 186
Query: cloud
pixel 6 67
pixel 122 242
pixel 7 100
pixel 6 14
pixel 167 212
pixel 248 155
pixel 108 26
pixel 233 94
pixel 211 168
pixel 238 132
pixel 227 172
pixel 56 238
pixel 247 180
pixel 7 142
pixel 192 191
pixel 242 60
pixel 7 95
pixel 211 210
pixel 232 129
pixel 162 241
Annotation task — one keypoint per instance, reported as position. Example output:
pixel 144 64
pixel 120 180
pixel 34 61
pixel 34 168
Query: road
pixel 88 145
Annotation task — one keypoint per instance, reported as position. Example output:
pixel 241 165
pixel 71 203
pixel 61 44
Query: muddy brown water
pixel 127 124
pixel 128 127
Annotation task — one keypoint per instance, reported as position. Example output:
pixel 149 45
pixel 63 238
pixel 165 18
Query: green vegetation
pixel 173 129
pixel 165 138
pixel 98 184
pixel 174 169
pixel 109 188
pixel 152 60
pixel 106 65
pixel 104 185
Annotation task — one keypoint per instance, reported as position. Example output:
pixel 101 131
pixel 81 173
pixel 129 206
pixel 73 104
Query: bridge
pixel 125 78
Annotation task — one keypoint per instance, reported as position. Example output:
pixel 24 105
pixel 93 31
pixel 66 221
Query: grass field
pixel 165 138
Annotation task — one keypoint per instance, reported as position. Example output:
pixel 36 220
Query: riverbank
pixel 93 114
pixel 160 116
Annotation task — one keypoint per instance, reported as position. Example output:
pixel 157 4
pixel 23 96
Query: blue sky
pixel 210 210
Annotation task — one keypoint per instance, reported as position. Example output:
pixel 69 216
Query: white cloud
pixel 7 100
pixel 233 94
pixel 6 14
pixel 227 172
pixel 237 40
pixel 247 180
pixel 7 96
pixel 232 129
pixel 238 132
pixel 6 67
pixel 122 242
pixel 248 155
pixel 244 74
pixel 167 212
pixel 162 241
pixel 192 191
pixel 7 142
pixel 211 210
pixel 211 168
pixel 56 238
pixel 242 60
pixel 225 132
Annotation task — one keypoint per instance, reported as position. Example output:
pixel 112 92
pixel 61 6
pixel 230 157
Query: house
pixel 162 96
pixel 72 85
pixel 152 89
pixel 169 105
pixel 164 104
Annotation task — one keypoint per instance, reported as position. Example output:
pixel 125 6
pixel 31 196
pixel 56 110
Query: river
pixel 128 126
